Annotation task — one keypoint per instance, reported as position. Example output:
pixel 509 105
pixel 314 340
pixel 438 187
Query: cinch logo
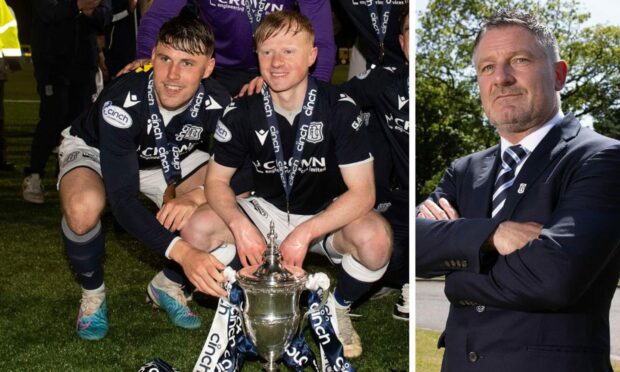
pixel 222 133
pixel 149 93
pixel 297 356
pixel 267 104
pixel 154 123
pixel 311 102
pixel 193 112
pixel 210 348
pixel 274 139
pixel 151 153
pixel 313 165
pixel 317 323
pixel 116 116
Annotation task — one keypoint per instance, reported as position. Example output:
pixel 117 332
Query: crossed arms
pixel 545 267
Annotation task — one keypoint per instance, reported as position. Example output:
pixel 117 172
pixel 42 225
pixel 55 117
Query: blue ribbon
pixel 298 354
pixel 239 345
pixel 325 335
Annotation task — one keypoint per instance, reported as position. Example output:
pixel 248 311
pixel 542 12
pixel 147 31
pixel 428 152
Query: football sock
pixel 354 280
pixel 174 272
pixel 85 252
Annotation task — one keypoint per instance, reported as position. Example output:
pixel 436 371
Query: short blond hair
pixel 283 21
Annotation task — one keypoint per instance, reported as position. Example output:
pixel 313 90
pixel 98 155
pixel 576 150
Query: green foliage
pixel 449 119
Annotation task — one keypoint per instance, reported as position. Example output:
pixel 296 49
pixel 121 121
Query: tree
pixel 449 119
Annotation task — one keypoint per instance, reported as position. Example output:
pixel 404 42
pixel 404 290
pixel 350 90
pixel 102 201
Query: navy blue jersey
pixel 385 91
pixel 119 124
pixel 336 137
pixel 357 10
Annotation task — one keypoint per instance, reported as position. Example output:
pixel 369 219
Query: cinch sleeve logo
pixel 116 116
pixel 222 133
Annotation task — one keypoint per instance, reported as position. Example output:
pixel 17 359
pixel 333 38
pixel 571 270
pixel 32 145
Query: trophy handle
pixel 313 283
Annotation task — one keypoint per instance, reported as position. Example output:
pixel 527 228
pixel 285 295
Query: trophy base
pixel 271 366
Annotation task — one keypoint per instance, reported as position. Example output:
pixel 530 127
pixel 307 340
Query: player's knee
pixel 82 213
pixel 374 245
pixel 199 229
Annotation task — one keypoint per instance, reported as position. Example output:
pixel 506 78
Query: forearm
pixel 139 222
pixel 449 245
pixel 345 209
pixel 222 199
pixel 196 195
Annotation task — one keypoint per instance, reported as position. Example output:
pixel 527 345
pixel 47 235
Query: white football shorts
pixel 74 153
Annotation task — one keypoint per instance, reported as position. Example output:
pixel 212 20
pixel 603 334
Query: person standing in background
pixel 234 25
pixel 65 57
pixel 9 51
pixel 377 25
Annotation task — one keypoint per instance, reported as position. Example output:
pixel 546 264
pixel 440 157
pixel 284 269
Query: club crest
pixel 315 132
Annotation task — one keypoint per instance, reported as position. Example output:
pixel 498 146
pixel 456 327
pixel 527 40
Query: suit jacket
pixel 544 307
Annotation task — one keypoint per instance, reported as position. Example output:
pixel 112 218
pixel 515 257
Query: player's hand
pixel 511 236
pixel 133 65
pixel 175 213
pixel 433 211
pixel 295 246
pixel 250 243
pixel 254 86
pixel 201 268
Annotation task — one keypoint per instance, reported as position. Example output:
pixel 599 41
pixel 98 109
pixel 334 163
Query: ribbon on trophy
pixel 226 346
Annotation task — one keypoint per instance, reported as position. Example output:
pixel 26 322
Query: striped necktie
pixel 506 176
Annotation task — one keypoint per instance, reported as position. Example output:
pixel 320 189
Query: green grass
pixel 428 357
pixel 39 297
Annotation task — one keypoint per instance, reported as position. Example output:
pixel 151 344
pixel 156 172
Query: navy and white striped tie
pixel 506 176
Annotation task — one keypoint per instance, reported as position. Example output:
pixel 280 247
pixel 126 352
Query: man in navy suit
pixel 526 232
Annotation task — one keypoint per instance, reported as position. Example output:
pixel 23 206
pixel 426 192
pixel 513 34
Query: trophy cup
pixel 271 313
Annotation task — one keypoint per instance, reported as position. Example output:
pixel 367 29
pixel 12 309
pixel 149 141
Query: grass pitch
pixel 39 298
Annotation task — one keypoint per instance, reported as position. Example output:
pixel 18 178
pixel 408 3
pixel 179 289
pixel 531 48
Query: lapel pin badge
pixel 521 189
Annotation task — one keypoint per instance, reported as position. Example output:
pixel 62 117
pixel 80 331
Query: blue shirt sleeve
pixel 121 177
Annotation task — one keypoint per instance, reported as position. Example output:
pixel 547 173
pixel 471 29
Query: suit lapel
pixel 548 149
pixel 483 183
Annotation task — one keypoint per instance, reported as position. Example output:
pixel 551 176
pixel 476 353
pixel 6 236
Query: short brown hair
pixel 283 21
pixel 403 20
pixel 187 34
pixel 542 33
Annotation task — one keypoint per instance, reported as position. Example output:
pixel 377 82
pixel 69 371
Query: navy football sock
pixel 85 252
pixel 349 289
pixel 354 280
pixel 174 272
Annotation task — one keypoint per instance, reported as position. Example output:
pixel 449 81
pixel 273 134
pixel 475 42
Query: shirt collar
pixel 533 139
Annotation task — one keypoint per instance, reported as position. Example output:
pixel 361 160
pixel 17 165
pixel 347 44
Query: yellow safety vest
pixel 9 42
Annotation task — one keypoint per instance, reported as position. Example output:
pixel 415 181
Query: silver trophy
pixel 271 313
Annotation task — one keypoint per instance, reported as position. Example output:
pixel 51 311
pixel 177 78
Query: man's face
pixel 284 60
pixel 177 74
pixel 404 38
pixel 518 83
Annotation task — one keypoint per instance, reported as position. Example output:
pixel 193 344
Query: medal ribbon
pixel 374 19
pixel 302 132
pixel 255 14
pixel 169 153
